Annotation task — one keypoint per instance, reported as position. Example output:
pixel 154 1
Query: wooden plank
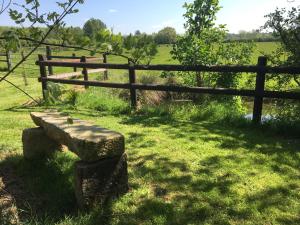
pixel 105 61
pixel 259 91
pixel 49 57
pixel 43 74
pixel 87 83
pixel 282 95
pixel 132 81
pixel 76 57
pixel 84 71
pixel 67 75
pixel 229 69
pixel 97 70
pixel 220 91
pixel 75 74
pixel 75 60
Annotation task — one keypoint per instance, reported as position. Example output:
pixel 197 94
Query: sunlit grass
pixel 185 165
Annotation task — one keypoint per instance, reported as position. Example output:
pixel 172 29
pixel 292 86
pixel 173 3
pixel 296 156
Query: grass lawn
pixel 180 171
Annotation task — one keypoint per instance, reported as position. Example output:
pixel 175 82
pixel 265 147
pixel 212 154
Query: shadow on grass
pixel 176 198
pixel 3 69
pixel 283 150
pixel 183 198
pixel 41 189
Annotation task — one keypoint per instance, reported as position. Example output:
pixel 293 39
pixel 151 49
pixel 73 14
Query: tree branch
pixel 4 7
pixel 64 13
pixel 71 46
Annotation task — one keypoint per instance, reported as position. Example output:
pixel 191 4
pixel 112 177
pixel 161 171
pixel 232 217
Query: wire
pixel 20 89
pixel 61 17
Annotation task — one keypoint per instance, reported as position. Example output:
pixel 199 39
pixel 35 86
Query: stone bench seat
pixel 101 174
pixel 87 141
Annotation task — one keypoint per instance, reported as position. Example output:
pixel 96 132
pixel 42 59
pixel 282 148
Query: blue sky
pixel 152 15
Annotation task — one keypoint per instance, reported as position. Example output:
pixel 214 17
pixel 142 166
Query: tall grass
pixel 104 100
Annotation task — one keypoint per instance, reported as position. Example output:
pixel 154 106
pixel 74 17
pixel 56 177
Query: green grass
pixel 182 170
pixel 262 48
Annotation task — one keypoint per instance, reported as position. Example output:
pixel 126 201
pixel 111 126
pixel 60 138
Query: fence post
pixel 105 61
pixel 43 74
pixel 23 72
pixel 74 56
pixel 48 55
pixel 85 71
pixel 132 80
pixel 8 60
pixel 259 90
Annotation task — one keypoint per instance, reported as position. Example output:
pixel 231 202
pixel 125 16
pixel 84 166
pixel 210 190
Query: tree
pixel 285 25
pixel 109 42
pixel 137 33
pixel 141 48
pixel 204 44
pixel 129 42
pixel 166 36
pixel 92 27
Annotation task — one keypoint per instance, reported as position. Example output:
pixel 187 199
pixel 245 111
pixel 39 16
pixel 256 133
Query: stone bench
pixel 102 172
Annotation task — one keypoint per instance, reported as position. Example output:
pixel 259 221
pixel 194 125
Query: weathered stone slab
pixel 97 182
pixel 88 141
pixel 36 144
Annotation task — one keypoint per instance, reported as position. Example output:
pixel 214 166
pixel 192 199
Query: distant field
pixel 163 56
pixel 263 47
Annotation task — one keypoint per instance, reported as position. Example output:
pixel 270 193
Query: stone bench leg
pixel 36 144
pixel 100 181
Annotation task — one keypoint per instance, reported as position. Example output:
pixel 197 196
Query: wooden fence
pixel 6 57
pixel 74 58
pixel 259 93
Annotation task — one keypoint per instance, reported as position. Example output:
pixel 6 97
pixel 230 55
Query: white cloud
pixel 112 11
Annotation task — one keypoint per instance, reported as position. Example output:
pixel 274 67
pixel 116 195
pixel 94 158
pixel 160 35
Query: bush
pixel 54 93
pixel 71 97
pixel 286 120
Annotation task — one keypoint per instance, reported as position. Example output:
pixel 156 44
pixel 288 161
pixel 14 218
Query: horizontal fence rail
pixel 261 69
pixel 73 57
pixel 179 68
pixel 184 89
